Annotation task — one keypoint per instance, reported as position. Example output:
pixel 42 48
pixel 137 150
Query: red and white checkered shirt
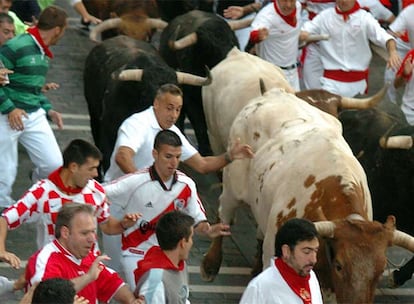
pixel 44 200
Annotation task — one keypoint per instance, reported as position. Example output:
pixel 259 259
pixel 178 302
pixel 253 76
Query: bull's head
pixel 354 257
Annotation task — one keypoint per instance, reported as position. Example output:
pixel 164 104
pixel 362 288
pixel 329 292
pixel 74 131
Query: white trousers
pixel 312 68
pixel 40 143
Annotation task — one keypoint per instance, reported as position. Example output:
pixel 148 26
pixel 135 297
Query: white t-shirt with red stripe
pixel 54 261
pixel 143 192
pixel 44 200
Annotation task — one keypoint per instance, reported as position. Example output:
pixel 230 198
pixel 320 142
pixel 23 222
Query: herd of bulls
pixel 342 167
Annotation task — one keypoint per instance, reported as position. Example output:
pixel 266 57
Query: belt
pixel 290 67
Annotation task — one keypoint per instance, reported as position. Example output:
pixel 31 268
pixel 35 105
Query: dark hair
pixel 78 151
pixel 5 18
pixel 173 227
pixel 292 232
pixel 168 88
pixel 68 212
pixel 51 17
pixel 54 290
pixel 167 137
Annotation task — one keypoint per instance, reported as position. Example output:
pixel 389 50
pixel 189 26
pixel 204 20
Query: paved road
pixel 66 69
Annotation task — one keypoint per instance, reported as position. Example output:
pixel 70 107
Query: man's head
pixel 167 105
pixel 175 230
pixel 345 5
pixel 52 290
pixel 5 5
pixel 166 153
pixel 52 22
pixel 7 30
pixel 76 228
pixel 82 159
pixel 286 6
pixel 297 243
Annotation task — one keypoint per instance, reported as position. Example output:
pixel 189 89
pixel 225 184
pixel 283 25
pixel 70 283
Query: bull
pixel 304 168
pixel 189 43
pixel 236 83
pixel 375 138
pixel 112 99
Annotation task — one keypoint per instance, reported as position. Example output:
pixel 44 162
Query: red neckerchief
pixel 299 284
pixel 55 178
pixel 155 258
pixel 289 19
pixel 346 14
pixel 34 31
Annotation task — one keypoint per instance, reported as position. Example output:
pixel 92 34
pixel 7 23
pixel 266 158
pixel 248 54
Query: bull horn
pixel 131 75
pixel 156 23
pixel 187 78
pixel 184 42
pixel 102 27
pixel 325 228
pixel 403 240
pixel 239 24
pixel 364 103
pixel 397 142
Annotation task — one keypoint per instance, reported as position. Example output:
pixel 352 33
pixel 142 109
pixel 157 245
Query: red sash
pixel 299 284
pixel 346 76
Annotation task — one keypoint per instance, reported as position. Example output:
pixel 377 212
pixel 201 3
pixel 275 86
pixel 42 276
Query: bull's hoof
pixel 209 268
pixel 398 279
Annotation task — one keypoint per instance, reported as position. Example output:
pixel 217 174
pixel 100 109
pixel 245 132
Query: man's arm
pixel 92 274
pixel 5 256
pixel 81 10
pixel 115 226
pixel 405 72
pixel 124 158
pixel 394 60
pixel 212 231
pixel 214 163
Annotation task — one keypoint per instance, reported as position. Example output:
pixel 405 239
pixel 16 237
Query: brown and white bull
pixel 236 83
pixel 304 168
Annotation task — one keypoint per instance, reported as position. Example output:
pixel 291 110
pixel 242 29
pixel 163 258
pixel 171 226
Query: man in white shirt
pixel 152 192
pixel 289 278
pixel 346 55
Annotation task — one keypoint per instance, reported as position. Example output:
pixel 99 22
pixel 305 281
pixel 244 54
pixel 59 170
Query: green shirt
pixel 30 65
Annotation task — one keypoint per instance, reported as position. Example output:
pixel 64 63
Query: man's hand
pixel 56 117
pixel 4 79
pixel 80 300
pixel 11 259
pixel 50 86
pixel 15 119
pixel 130 219
pixel 263 33
pixel 97 267
pixel 240 151
pixel 233 12
pixel 219 229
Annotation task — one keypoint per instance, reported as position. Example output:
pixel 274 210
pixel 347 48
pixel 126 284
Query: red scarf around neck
pixel 289 19
pixel 346 14
pixel 55 178
pixel 299 284
pixel 34 31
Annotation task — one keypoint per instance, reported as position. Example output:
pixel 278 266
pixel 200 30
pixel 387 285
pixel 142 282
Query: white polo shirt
pixel 138 133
